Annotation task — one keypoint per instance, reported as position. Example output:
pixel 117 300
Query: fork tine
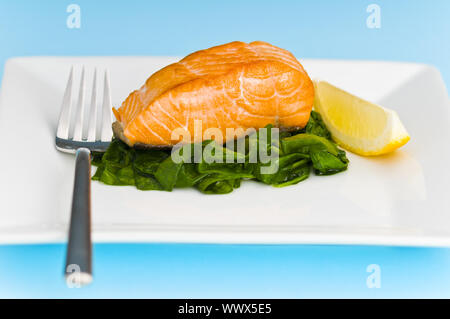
pixel 78 130
pixel 93 111
pixel 106 116
pixel 64 117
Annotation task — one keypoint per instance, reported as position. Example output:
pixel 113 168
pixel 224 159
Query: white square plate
pixel 398 199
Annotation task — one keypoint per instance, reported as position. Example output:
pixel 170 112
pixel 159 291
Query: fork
pixel 70 139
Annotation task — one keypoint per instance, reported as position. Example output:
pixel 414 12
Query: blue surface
pixel 410 31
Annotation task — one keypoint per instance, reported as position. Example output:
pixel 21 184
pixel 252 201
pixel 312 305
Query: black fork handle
pixel 78 270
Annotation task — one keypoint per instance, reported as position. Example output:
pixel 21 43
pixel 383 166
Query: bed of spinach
pixel 298 153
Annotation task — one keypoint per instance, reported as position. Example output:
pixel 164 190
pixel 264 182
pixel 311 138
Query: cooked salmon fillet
pixel 235 85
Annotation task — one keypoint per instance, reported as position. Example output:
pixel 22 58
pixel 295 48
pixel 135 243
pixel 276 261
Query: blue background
pixel 410 31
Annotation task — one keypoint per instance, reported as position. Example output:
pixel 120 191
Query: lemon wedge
pixel 357 125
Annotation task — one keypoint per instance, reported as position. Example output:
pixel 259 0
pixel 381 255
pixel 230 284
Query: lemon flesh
pixel 357 125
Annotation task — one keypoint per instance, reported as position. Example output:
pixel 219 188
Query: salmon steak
pixel 231 86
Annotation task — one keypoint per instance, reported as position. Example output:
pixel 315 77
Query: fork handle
pixel 78 270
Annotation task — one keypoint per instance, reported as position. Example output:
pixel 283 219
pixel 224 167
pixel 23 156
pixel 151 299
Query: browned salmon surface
pixel 235 85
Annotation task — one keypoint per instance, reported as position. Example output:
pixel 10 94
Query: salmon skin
pixel 235 85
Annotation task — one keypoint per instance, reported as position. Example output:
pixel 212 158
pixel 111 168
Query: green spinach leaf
pixel 287 161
